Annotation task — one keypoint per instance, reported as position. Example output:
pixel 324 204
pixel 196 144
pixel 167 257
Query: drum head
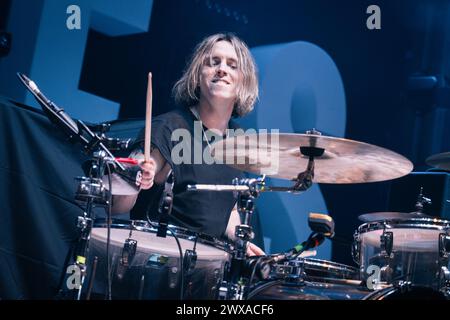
pixel 149 242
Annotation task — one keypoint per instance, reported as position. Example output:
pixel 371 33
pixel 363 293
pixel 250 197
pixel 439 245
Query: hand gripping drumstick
pixel 148 119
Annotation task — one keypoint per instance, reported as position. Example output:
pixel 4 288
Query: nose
pixel 221 69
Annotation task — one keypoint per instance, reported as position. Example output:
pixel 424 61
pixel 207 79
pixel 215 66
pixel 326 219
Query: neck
pixel 215 117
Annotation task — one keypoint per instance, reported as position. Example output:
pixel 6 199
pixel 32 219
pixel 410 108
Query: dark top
pixel 205 211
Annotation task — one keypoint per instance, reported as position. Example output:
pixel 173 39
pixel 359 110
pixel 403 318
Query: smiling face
pixel 220 75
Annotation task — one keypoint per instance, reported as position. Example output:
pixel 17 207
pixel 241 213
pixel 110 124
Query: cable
pixel 181 262
pixel 258 260
pixel 180 250
pixel 108 237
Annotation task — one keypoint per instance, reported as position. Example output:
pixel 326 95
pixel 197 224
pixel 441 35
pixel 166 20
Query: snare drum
pixel 411 250
pixel 145 266
pixel 310 279
pixel 315 269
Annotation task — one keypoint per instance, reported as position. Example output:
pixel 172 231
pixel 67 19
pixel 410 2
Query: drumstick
pixel 148 119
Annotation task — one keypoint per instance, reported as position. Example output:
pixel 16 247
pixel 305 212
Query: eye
pixel 232 64
pixel 215 61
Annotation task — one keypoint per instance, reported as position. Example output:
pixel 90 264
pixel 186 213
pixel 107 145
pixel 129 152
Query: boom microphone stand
pixel 90 191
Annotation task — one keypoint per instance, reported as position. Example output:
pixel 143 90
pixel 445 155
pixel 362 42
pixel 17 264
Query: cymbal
pixel 440 161
pixel 279 156
pixel 380 216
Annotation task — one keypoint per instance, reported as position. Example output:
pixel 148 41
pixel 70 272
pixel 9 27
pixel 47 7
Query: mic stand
pixel 235 286
pixel 90 189
pixel 91 192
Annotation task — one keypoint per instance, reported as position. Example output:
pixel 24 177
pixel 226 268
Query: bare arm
pixel 153 171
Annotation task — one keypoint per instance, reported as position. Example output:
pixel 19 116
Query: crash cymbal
pixel 380 216
pixel 342 161
pixel 440 161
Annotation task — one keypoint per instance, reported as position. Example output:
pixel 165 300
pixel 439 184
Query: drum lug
pixel 356 247
pixel 190 260
pixel 128 252
pixel 403 286
pixel 444 274
pixel 444 246
pixel 444 279
pixel 386 273
pixel 223 291
pixel 386 242
pixel 230 291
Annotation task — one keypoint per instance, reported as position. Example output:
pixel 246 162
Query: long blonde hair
pixel 187 90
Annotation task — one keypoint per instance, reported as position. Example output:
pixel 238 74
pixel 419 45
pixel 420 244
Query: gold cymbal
pixel 280 156
pixel 440 161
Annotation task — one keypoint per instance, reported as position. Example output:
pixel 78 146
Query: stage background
pixel 320 67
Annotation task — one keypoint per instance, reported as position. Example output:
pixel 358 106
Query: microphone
pixel 313 241
pixel 322 227
pixel 52 109
pixel 116 144
pixel 75 130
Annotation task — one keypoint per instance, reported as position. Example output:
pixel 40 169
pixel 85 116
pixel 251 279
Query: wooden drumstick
pixel 148 119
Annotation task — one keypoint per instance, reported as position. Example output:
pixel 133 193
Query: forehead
pixel 224 49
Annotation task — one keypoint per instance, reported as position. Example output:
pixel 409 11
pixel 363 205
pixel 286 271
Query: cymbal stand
pixel 235 286
pixel 304 179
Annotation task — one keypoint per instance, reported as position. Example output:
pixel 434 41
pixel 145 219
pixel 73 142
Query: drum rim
pixel 180 232
pixel 412 223
pixel 334 270
pixel 328 263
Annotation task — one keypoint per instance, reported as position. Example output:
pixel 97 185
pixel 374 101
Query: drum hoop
pixel 329 265
pixel 258 287
pixel 180 232
pixel 413 223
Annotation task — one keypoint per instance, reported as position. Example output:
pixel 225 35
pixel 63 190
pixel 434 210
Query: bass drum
pixel 145 266
pixel 307 290
pixel 340 290
pixel 310 279
pixel 314 279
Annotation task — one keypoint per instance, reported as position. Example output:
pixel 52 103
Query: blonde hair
pixel 187 90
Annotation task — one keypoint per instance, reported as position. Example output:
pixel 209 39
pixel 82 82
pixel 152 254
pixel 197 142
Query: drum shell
pixel 154 271
pixel 308 290
pixel 415 256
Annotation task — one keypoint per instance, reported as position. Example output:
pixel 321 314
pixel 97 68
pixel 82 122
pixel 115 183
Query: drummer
pixel 219 83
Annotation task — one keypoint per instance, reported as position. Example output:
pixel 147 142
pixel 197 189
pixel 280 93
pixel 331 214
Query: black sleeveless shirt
pixel 202 211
